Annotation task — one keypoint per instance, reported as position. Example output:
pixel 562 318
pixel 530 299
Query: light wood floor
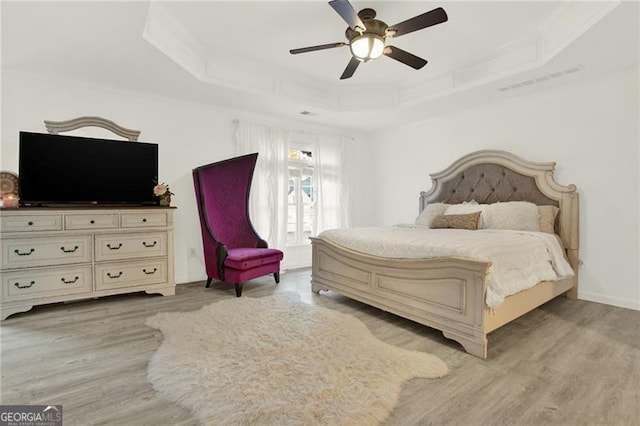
pixel 568 362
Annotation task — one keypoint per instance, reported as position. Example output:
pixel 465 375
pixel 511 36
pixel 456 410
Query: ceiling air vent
pixel 541 79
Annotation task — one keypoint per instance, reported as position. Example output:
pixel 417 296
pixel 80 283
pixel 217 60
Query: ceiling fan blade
pixel 433 17
pixel 350 69
pixel 405 57
pixel 348 13
pixel 318 47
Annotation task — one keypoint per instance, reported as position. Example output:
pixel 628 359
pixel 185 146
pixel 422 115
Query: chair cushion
pixel 247 258
pixel 232 275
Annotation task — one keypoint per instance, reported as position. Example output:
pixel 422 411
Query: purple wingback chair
pixel 233 251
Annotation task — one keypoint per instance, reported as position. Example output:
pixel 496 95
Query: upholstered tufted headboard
pixel 492 183
pixel 492 176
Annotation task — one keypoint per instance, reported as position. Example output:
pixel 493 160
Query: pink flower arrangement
pixel 162 191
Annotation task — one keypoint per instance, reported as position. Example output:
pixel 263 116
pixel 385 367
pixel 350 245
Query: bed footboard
pixel 446 294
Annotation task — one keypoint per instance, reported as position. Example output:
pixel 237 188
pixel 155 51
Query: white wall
pixel 589 128
pixel 189 135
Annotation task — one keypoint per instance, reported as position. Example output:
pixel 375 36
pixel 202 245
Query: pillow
pixel 432 210
pixel 466 208
pixel 457 221
pixel 547 218
pixel 516 215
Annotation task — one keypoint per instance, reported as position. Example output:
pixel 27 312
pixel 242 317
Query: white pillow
pixel 427 215
pixel 517 215
pixel 464 208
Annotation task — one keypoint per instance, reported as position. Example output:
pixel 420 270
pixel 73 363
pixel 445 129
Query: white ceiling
pixel 264 34
pixel 235 53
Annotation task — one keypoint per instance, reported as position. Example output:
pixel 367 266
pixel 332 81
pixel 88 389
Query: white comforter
pixel 519 259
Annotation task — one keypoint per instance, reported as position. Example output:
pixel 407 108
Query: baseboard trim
pixel 609 300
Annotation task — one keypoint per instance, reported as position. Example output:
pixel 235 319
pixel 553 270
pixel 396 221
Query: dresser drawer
pixel 19 285
pixel 30 223
pixel 137 220
pixel 128 246
pixel 91 221
pixel 118 275
pixel 22 253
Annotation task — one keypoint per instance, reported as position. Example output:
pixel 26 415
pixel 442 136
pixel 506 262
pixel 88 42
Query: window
pixel 301 211
pixel 299 184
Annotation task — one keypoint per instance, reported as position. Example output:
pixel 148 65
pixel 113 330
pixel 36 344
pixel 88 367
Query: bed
pixel 449 293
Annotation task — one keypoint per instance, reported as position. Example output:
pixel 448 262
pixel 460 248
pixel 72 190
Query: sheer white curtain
pixel 269 189
pixel 331 182
pixel 268 199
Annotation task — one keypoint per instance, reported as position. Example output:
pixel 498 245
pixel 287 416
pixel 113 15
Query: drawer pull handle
pixel 30 223
pixel 70 250
pixel 114 247
pixel 25 286
pixel 150 273
pixel 26 253
pixel 144 220
pixel 114 276
pixel 70 281
pixel 92 221
pixel 144 243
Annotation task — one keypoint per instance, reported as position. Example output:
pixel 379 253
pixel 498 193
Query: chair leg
pixel 238 289
pixel 209 279
pixel 276 275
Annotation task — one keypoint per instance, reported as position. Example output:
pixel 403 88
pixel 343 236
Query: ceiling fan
pixel 367 36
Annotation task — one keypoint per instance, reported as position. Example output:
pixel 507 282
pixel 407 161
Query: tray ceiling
pixel 236 53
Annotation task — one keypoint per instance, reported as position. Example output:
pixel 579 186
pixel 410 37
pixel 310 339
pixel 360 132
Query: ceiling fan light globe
pixel 367 47
pixel 377 49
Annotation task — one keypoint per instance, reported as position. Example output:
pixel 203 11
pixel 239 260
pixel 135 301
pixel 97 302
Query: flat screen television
pixel 60 169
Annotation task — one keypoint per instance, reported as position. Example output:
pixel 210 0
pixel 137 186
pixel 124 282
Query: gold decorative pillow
pixel 547 218
pixel 457 221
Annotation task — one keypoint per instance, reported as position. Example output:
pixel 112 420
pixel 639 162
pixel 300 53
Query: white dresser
pixel 60 254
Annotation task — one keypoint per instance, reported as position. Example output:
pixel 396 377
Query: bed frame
pixel 448 294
